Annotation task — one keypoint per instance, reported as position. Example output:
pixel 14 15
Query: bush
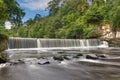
pixel 3 41
pixel 3 37
pixel 3 59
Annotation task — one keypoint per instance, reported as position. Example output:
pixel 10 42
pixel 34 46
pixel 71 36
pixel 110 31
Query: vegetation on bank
pixel 113 42
pixel 67 19
pixel 3 59
pixel 3 46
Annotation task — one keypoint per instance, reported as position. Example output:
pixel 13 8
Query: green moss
pixel 3 59
pixel 2 46
pixel 3 41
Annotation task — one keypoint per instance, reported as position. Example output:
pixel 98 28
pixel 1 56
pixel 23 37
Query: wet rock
pixel 14 62
pixel 101 55
pixel 60 52
pixel 29 60
pixel 78 55
pixel 21 61
pixel 58 58
pixel 3 59
pixel 91 56
pixel 67 57
pixel 43 62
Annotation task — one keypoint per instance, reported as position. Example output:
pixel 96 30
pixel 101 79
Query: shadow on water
pixel 76 64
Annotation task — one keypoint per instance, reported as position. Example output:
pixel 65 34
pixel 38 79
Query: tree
pixel 114 16
pixel 53 6
pixel 29 22
pixel 14 12
pixel 3 13
pixel 37 18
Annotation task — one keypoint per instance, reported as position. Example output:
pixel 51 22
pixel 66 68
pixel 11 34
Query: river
pixel 41 64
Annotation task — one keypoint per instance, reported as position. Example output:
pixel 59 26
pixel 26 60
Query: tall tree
pixel 3 13
pixel 15 13
pixel 53 6
pixel 115 18
pixel 37 18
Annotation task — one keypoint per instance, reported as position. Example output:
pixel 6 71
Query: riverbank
pixel 113 42
pixel 3 46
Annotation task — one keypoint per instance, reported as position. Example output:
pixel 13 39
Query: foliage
pixel 67 19
pixel 10 10
pixel 3 37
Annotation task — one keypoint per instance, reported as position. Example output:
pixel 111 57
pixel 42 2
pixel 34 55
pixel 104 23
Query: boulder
pixel 101 55
pixel 43 62
pixel 91 56
pixel 67 57
pixel 60 52
pixel 3 59
pixel 58 58
pixel 78 55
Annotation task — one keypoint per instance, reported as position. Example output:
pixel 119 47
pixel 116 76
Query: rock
pixel 3 59
pixel 59 58
pixel 101 55
pixel 43 62
pixel 60 52
pixel 66 57
pixel 78 55
pixel 91 56
pixel 21 61
pixel 15 62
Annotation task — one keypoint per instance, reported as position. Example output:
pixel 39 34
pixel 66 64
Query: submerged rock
pixel 43 62
pixel 15 62
pixel 58 58
pixel 62 57
pixel 91 56
pixel 78 55
pixel 101 55
pixel 67 57
pixel 60 52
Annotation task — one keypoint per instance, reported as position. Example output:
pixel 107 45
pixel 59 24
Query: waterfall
pixel 22 43
pixel 14 43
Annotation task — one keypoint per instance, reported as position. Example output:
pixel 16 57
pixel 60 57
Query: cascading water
pixel 22 43
pixel 14 43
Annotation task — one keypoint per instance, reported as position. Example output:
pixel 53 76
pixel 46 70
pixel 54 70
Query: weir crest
pixel 16 43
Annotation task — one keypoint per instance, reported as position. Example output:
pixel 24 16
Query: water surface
pixel 107 68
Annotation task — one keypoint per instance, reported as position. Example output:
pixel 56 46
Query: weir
pixel 17 43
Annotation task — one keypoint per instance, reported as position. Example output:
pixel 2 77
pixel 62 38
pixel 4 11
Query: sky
pixel 33 7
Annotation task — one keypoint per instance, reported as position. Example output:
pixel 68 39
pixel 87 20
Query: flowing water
pixel 78 63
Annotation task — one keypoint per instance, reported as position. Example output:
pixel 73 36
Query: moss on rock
pixel 3 46
pixel 3 59
pixel 3 42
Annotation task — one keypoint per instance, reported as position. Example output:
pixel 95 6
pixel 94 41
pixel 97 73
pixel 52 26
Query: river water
pixel 29 64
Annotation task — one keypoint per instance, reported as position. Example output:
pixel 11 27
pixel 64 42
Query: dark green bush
pixel 3 37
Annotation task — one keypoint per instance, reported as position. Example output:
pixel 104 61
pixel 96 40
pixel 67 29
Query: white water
pixel 38 44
